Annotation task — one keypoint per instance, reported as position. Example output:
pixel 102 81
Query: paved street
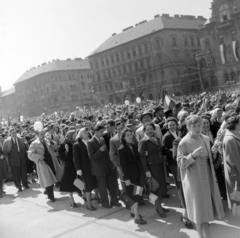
pixel 29 214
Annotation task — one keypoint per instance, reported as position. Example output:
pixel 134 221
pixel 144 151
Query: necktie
pixel 16 142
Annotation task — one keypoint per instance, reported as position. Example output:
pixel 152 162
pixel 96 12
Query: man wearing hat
pixel 145 118
pixel 102 167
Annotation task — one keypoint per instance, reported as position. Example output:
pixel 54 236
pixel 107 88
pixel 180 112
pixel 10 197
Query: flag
pixel 168 102
pixel 9 120
pixel 137 190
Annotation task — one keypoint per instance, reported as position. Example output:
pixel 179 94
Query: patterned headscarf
pixel 70 136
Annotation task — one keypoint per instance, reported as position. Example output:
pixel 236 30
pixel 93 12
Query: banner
pixel 235 50
pixel 222 54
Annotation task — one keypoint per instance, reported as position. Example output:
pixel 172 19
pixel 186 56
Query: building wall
pixel 8 106
pixel 146 66
pixel 223 29
pixel 54 91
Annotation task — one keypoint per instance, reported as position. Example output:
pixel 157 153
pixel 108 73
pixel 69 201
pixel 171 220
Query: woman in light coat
pixel 48 174
pixel 231 154
pixel 199 182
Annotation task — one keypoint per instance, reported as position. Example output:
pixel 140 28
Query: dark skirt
pixel 221 181
pixel 130 189
pixel 89 180
pixel 30 166
pixel 69 175
pixel 157 172
pixel 3 169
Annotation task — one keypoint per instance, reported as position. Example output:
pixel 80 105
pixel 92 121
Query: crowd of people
pixel 127 152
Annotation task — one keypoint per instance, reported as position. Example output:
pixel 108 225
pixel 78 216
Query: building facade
pixel 219 37
pixel 143 60
pixel 8 104
pixel 60 85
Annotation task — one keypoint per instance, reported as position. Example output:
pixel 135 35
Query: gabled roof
pixel 8 92
pixel 56 65
pixel 147 27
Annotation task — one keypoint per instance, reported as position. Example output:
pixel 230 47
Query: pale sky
pixel 36 31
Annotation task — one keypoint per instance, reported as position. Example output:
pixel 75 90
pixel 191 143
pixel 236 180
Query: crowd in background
pixel 127 152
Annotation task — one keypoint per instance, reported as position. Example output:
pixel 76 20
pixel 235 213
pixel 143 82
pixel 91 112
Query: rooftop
pixel 147 27
pixel 8 92
pixel 55 65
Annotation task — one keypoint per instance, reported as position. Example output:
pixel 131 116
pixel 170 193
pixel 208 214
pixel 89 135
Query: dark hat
pixel 146 113
pixel 167 111
pixel 157 109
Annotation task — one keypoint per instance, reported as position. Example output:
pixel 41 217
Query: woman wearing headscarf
pixel 69 173
pixel 231 154
pixel 152 160
pixel 199 182
pixel 83 165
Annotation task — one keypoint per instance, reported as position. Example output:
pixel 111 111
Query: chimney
pixel 176 15
pixel 114 34
pixel 127 28
pixel 68 59
pixel 142 22
pixel 156 16
pixel 165 15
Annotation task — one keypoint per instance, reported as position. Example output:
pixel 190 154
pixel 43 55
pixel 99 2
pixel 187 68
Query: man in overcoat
pixel 14 150
pixel 102 168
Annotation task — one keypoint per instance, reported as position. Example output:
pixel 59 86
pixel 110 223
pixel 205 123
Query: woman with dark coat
pixel 83 165
pixel 152 160
pixel 69 173
pixel 129 162
pixel 168 139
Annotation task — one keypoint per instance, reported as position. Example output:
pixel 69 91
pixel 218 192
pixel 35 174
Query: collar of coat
pixel 150 139
pixel 233 133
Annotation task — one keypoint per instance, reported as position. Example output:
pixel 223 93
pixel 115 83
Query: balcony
pixel 225 25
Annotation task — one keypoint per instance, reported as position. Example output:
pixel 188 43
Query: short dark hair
pixel 172 119
pixel 206 117
pixel 124 132
pixel 149 124
pixel 111 122
pixel 118 123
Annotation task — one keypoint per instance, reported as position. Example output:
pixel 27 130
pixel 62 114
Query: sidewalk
pixel 29 215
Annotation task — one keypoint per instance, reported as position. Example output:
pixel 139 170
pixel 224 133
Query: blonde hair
pixel 193 119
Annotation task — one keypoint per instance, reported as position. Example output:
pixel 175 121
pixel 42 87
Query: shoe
pixel 165 209
pixel 20 189
pixel 140 221
pixel 166 195
pixel 1 195
pixel 73 205
pixel 117 204
pixel 107 206
pixel 45 192
pixel 96 199
pixel 27 187
pixel 92 208
pixel 162 214
pixel 33 181
pixel 52 200
pixel 133 215
pixel 3 192
pixel 141 203
pixel 187 222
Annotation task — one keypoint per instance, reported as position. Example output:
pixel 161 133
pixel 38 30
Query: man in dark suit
pixel 14 149
pixel 102 168
pixel 109 133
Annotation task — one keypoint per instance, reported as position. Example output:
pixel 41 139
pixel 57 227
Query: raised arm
pixel 184 160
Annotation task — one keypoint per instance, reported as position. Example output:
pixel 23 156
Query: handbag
pixel 154 184
pixel 152 197
pixel 235 195
pixel 79 184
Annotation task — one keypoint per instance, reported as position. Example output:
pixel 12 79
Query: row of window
pixel 121 70
pixel 140 50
